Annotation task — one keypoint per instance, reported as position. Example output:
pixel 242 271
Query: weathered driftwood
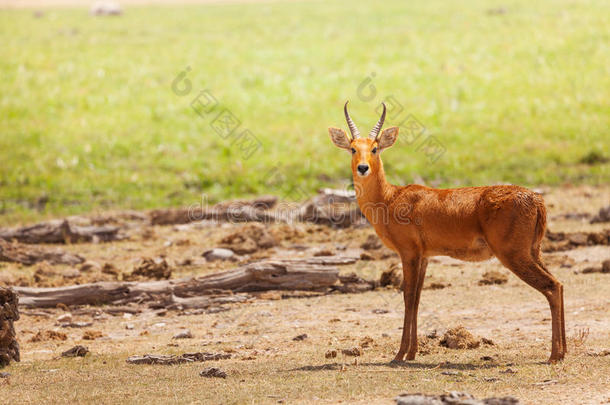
pixel 229 211
pixel 294 274
pixel 9 348
pixel 29 255
pixel 175 359
pixel 60 231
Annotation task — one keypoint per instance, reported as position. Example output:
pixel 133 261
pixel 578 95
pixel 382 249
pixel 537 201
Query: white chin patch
pixel 365 174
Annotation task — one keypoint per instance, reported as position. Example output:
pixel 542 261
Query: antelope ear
pixel 339 138
pixel 387 137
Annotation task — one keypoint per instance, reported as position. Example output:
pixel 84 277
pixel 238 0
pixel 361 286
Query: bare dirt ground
pixel 268 365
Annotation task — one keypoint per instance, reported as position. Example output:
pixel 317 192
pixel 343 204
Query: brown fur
pixel 470 223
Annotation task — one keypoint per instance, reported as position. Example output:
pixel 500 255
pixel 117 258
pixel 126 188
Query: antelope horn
pixel 352 127
pixel 375 131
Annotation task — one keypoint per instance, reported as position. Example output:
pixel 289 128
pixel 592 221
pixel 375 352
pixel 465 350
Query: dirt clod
pixel 330 354
pixel 602 216
pixel 92 335
pixel 355 351
pixel 366 256
pixel 45 335
pixel 248 239
pixel 148 268
pixel 372 243
pixel 392 276
pixel 493 277
pixel 459 338
pixel 300 337
pixel 366 341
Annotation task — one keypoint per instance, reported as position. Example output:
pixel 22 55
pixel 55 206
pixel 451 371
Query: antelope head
pixel 365 151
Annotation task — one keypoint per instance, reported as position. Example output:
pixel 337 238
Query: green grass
pixel 88 118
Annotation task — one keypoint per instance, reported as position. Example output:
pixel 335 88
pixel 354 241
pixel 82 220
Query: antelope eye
pixel 353 151
pixel 375 150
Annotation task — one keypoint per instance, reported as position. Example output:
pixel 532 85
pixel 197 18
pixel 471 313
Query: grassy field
pixel 90 117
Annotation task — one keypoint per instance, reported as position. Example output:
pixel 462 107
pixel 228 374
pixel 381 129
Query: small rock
pixel 300 337
pixel 129 326
pixel 450 372
pixel 70 273
pixel 380 311
pixel 64 318
pixel 186 334
pixel 90 265
pixel 4 375
pixel 213 372
pixel 76 351
pixel 219 254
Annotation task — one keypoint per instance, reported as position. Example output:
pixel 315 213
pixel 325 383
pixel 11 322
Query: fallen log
pixel 229 211
pixel 60 231
pixel 177 359
pixel 28 255
pixel 9 348
pixel 306 274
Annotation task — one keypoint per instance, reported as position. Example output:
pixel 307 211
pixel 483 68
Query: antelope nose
pixel 363 168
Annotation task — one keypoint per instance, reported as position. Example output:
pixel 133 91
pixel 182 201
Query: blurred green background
pixel 512 92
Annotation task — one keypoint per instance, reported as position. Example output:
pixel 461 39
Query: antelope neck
pixel 374 189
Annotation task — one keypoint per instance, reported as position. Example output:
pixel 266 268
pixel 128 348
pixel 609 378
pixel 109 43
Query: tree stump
pixel 9 348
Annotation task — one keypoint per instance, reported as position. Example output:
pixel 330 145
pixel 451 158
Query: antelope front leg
pixel 410 270
pixel 421 274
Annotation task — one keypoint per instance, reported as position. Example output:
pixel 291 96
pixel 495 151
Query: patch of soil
pixel 493 277
pixel 45 335
pixel 435 284
pixel 603 268
pixel 560 241
pixel 354 351
pixel 248 239
pixel 286 232
pixel 372 243
pixel 92 335
pixel 602 216
pixel 148 268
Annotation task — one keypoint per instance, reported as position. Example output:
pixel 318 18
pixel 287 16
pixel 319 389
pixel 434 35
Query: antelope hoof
pixel 398 358
pixel 555 359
